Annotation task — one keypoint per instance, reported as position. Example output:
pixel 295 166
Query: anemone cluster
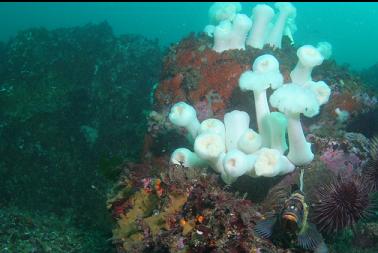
pixel 232 30
pixel 232 148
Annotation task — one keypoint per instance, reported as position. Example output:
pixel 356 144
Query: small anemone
pixel 341 204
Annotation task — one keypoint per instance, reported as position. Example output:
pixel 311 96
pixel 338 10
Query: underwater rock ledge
pixel 72 100
pixel 182 210
pixel 208 80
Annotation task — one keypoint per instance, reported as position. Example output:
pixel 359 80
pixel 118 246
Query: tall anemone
pixel 370 172
pixel 341 204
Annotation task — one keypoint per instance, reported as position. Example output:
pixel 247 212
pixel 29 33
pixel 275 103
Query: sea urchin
pixel 370 172
pixel 341 204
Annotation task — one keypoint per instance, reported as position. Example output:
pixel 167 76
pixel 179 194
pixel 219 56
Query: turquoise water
pixel 352 28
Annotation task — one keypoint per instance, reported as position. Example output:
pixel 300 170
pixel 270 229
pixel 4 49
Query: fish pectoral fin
pixel 309 238
pixel 264 228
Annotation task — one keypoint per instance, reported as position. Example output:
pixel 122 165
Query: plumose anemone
pixel 341 204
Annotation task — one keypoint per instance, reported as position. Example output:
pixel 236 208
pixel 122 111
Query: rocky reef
pixel 181 210
pixel 71 101
pixel 193 72
pixel 30 231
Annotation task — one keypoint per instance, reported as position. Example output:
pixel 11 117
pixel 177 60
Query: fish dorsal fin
pixel 309 238
pixel 264 228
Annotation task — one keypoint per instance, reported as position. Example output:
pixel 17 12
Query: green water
pixel 352 28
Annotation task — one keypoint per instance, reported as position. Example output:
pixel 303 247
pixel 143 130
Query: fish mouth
pixel 290 217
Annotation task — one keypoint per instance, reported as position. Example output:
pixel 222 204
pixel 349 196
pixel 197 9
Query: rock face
pixel 194 73
pixel 182 210
pixel 71 99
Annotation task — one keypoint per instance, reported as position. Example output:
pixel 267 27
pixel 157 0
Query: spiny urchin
pixel 370 172
pixel 341 204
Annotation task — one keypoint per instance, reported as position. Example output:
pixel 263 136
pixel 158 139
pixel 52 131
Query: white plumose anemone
pixel 276 125
pixel 232 34
pixel 220 11
pixel 184 115
pixel 187 158
pixel 249 142
pixel 270 163
pixel 308 58
pixel 321 90
pixel 265 74
pixel 285 11
pixel 210 147
pixel 240 28
pixel 212 126
pixel 292 100
pixel 236 163
pixel 262 14
pixel 236 123
pixel 222 36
